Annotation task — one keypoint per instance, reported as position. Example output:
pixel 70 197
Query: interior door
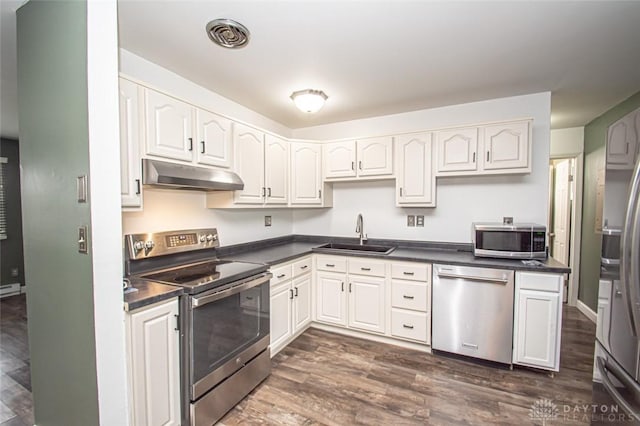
pixel 562 212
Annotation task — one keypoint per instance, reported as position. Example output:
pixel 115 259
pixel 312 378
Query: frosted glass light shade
pixel 309 100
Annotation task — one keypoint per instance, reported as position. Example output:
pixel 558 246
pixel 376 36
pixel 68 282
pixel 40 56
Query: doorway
pixel 565 205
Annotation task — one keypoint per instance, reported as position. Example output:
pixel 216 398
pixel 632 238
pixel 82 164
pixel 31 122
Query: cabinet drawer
pixel 281 274
pixel 331 263
pixel 411 271
pixel 410 325
pixel 539 281
pixel 366 267
pixel 410 295
pixel 302 266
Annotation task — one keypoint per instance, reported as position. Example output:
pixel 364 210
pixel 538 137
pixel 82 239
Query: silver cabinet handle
pixel 304 267
pixel 353 165
pixel 360 165
pixel 474 157
pixel 408 297
pixel 264 191
pixel 296 289
pixel 487 155
pixel 290 293
pixel 350 287
pixel 410 327
pixel 137 186
pixel 365 269
pixel 329 265
pixel 269 192
pixel 408 273
pixel 202 150
pixel 190 144
pixel 281 276
pixel 342 286
pixel 401 191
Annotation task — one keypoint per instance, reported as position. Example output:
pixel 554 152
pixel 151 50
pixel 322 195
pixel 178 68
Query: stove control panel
pixel 140 246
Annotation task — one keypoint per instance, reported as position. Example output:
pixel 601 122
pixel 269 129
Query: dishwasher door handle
pixel 474 278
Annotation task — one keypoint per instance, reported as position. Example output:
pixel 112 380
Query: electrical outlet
pixel 411 220
pixel 267 221
pixel 420 220
pixel 15 272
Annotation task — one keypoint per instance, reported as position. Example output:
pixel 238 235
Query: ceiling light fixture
pixel 309 100
pixel 228 33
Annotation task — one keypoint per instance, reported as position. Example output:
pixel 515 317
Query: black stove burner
pixel 204 272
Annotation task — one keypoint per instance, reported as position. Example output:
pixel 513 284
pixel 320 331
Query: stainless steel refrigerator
pixel 616 390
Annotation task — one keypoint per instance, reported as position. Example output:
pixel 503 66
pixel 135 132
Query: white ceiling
pixel 383 57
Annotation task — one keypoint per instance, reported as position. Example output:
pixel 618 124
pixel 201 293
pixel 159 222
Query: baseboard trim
pixel 587 311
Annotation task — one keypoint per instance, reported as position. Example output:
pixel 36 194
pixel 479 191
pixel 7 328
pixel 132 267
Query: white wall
pixel 167 209
pixel 460 201
pixel 567 142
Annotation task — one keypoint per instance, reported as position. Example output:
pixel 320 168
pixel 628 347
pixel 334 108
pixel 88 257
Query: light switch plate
pixel 411 220
pixel 267 221
pixel 420 220
pixel 82 240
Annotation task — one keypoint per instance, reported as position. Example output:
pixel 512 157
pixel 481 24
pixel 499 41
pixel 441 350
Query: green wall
pixel 54 149
pixel 595 136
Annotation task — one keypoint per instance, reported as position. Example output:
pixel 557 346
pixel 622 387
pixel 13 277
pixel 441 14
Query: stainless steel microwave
pixel 514 241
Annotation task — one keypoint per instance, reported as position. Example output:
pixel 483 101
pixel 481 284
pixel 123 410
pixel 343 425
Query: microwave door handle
pixel 629 277
pixel 605 367
pixel 197 302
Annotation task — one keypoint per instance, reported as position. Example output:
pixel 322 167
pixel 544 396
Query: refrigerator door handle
pixel 605 367
pixel 630 279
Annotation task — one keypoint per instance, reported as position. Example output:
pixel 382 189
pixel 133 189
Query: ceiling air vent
pixel 228 33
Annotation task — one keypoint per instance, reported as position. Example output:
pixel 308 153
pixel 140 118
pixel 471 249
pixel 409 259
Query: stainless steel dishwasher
pixel 473 312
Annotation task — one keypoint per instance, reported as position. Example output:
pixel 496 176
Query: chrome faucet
pixel 360 229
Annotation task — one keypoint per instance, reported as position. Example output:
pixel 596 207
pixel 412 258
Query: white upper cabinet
pixel 622 141
pixel 375 156
pixel 340 159
pixel 276 176
pixel 213 134
pixel 169 127
pixel 457 150
pixel 415 181
pixel 130 135
pixel 249 163
pixel 366 158
pixel 306 174
pixel 178 131
pixel 500 148
pixel 506 146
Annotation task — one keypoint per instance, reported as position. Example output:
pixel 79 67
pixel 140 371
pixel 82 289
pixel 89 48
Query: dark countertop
pixel 149 292
pixel 282 249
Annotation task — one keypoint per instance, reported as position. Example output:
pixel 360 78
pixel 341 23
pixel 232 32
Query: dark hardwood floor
pixel 324 378
pixel 16 404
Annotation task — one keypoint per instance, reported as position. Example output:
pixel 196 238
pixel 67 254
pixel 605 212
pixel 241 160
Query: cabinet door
pixel 340 159
pixel 415 181
pixel 301 302
pixel 331 300
pixel 249 164
pixel 366 303
pixel 536 329
pixel 130 164
pixel 280 316
pixel 621 143
pixel 169 125
pixel 276 170
pixel 506 146
pixel 306 174
pixel 457 150
pixel 375 156
pixel 155 366
pixel 213 135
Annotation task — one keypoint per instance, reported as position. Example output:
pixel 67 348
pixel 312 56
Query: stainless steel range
pixel 224 317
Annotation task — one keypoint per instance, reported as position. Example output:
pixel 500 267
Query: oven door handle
pixel 203 300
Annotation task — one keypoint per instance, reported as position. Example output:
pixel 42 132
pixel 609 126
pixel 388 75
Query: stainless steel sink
pixel 366 248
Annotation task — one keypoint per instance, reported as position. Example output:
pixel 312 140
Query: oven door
pixel 229 327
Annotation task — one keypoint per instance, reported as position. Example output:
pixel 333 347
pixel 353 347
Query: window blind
pixel 3 207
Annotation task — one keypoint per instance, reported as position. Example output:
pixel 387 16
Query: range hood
pixel 178 176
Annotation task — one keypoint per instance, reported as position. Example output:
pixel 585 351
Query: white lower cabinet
pixel 154 364
pixel 366 303
pixel 290 310
pixel 331 301
pixel 537 320
pixel 411 301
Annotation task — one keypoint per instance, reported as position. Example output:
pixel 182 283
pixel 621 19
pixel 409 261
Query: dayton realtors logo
pixel 546 410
